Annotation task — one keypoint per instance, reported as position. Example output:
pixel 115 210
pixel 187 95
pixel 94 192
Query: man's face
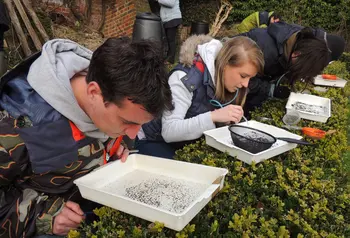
pixel 274 20
pixel 112 119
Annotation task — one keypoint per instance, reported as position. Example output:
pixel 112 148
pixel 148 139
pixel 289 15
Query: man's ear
pixel 93 90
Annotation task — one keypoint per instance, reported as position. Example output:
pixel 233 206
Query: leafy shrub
pixel 332 15
pixel 198 11
pixel 302 193
pixel 346 59
pixel 315 13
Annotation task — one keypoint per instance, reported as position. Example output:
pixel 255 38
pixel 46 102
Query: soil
pixel 89 39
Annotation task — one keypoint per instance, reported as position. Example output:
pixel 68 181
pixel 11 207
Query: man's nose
pixel 132 131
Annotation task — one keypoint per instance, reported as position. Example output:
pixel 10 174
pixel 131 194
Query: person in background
pixel 258 20
pixel 61 111
pixel 171 17
pixel 4 26
pixel 292 53
pixel 154 7
pixel 209 88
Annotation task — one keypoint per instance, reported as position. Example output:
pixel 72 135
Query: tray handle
pixel 210 192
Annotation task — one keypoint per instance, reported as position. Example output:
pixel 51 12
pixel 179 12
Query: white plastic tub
pixel 310 100
pixel 339 82
pixel 220 139
pixel 107 184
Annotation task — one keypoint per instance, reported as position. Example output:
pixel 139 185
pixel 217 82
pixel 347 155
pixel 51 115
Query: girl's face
pixel 238 76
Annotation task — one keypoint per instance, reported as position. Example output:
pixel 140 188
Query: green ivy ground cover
pixel 301 193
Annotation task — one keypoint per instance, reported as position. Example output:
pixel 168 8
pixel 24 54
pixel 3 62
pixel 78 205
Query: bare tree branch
pixel 221 17
pixel 36 20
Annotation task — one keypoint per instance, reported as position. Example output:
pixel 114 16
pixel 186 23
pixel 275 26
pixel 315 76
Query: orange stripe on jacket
pixel 76 133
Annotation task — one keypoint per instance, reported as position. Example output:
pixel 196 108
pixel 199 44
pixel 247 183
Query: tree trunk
pixel 27 23
pixel 36 20
pixel 18 28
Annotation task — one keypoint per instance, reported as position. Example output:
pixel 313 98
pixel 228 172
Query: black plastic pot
pixel 199 28
pixel 147 26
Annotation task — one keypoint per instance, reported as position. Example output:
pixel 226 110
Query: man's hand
pixel 69 218
pixel 122 153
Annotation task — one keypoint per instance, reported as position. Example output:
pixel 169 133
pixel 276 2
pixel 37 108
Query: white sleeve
pixel 167 3
pixel 175 127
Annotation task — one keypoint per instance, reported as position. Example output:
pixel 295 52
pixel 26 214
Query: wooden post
pixel 36 20
pixel 27 23
pixel 18 28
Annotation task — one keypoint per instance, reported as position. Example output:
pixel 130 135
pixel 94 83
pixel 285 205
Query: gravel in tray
pixel 309 108
pixel 170 194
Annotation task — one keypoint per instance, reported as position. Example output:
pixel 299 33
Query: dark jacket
pixel 41 154
pixel 271 41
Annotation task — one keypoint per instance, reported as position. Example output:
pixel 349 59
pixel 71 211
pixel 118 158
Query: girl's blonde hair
pixel 236 52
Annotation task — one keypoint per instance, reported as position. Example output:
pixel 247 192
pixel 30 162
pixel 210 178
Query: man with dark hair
pixel 291 53
pixel 61 111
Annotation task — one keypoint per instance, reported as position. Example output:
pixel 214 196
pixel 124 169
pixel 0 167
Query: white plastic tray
pixel 312 100
pixel 102 184
pixel 339 82
pixel 220 139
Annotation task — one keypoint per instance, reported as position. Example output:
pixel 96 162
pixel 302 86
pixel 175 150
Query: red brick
pixel 119 18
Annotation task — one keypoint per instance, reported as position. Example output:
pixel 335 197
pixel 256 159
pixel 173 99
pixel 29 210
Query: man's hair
pixel 276 15
pixel 313 57
pixel 132 70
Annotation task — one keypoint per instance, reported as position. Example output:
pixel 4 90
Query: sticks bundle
pixel 221 17
pixel 18 28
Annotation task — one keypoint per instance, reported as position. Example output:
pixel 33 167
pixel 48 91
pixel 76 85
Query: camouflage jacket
pixel 41 154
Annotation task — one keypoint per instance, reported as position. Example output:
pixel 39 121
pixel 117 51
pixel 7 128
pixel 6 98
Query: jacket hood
pixel 189 48
pixel 281 32
pixel 207 47
pixel 50 77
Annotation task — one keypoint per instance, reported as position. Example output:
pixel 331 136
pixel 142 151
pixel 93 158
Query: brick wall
pixel 120 17
pixel 96 14
pixel 59 8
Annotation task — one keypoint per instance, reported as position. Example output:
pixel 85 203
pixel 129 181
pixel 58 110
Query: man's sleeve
pixel 250 22
pixel 24 212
